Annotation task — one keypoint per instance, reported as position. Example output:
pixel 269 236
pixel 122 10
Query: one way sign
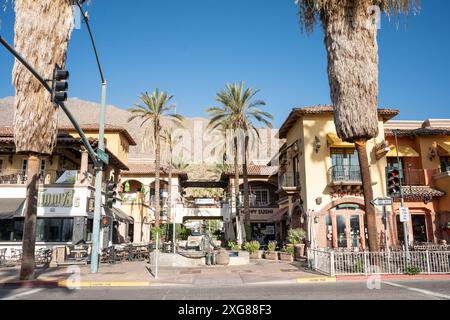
pixel 382 202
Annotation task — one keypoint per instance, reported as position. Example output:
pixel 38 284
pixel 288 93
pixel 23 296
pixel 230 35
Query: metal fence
pixel 367 263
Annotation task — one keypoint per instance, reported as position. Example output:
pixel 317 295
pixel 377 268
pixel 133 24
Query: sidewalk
pixel 140 274
pixel 131 274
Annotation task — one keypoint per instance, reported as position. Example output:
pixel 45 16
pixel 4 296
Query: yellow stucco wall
pixel 115 142
pixel 314 166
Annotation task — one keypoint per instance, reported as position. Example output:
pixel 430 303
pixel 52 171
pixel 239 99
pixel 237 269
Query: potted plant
pixel 297 238
pixel 234 247
pixel 287 254
pixel 253 248
pixel 270 253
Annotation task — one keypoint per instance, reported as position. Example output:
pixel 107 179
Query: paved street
pixel 390 290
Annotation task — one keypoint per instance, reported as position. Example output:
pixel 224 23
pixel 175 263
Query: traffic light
pixel 111 194
pixel 393 182
pixel 59 84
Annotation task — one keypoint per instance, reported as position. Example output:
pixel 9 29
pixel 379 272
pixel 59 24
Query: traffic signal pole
pixel 101 146
pixel 98 187
pixel 402 201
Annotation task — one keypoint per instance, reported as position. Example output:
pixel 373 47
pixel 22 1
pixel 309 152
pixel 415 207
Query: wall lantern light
pixel 317 144
pixel 316 219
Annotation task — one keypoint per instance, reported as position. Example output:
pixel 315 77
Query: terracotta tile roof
pixel 108 128
pixel 149 168
pixel 8 131
pixel 320 109
pixel 419 132
pixel 418 193
pixel 256 170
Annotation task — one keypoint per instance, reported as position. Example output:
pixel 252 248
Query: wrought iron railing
pixel 367 263
pixel 289 180
pixel 19 177
pixel 345 174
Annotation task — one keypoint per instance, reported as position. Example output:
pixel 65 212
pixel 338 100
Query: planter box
pixel 286 257
pixel 271 256
pixel 299 251
pixel 256 255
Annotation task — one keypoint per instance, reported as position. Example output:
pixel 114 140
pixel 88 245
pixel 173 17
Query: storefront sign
pixel 64 199
pixel 205 201
pixel 262 214
pixel 68 177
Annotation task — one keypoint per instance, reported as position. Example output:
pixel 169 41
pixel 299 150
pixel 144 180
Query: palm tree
pixel 171 140
pixel 351 41
pixel 238 111
pixel 42 32
pixel 155 107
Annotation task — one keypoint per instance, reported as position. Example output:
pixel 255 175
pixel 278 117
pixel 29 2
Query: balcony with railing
pixel 345 176
pixel 289 182
pixel 47 177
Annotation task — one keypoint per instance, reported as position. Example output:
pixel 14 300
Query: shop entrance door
pixel 419 228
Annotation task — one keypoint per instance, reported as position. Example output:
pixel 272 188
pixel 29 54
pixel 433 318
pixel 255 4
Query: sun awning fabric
pixel 122 216
pixel 403 151
pixel 444 149
pixel 9 208
pixel 279 215
pixel 335 142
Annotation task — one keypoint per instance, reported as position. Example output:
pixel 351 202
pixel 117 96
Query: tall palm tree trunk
pixel 236 186
pixel 29 232
pixel 368 195
pixel 157 176
pixel 246 186
pixel 351 43
pixel 42 33
pixel 169 195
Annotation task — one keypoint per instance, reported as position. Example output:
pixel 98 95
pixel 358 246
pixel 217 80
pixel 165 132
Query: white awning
pixel 10 208
pixel 122 216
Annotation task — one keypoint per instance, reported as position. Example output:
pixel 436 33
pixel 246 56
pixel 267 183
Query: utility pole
pixel 405 224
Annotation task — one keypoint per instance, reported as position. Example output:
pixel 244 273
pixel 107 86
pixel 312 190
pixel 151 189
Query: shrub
pixel 289 250
pixel 271 247
pixel 296 236
pixel 233 246
pixel 413 270
pixel 252 246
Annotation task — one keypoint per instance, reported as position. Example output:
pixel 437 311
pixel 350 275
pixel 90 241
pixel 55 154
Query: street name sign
pixel 103 156
pixel 404 214
pixel 382 202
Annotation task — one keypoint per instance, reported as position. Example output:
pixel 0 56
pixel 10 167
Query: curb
pixel 29 284
pixel 102 284
pixel 317 279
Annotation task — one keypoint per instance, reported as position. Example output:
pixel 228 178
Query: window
pixel 344 157
pixel 1 167
pixel 42 168
pixel 296 167
pixel 89 229
pixel 261 197
pixel 24 167
pixel 445 164
pixel 54 230
pixel 11 230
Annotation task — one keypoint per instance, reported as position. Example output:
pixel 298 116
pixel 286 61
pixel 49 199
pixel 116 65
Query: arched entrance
pixel 345 225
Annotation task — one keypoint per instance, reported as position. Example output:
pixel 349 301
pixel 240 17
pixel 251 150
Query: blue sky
pixel 192 48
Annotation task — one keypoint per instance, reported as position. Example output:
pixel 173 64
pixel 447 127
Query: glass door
pixel 341 231
pixel 355 231
pixel 419 228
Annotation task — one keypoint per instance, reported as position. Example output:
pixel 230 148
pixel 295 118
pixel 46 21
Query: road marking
pixel 317 279
pixel 422 291
pixel 23 294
